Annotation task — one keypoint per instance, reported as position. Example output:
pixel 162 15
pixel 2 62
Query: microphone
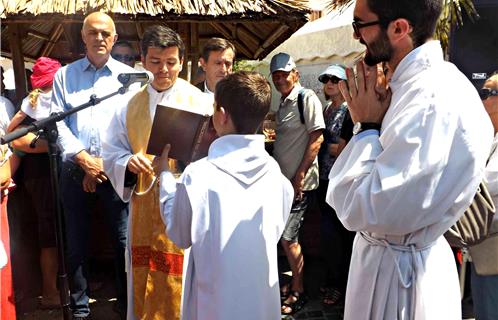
pixel 128 78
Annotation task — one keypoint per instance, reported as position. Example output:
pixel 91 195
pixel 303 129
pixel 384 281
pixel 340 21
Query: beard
pixel 379 50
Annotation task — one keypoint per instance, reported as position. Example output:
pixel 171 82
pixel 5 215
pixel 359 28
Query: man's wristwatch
pixel 362 126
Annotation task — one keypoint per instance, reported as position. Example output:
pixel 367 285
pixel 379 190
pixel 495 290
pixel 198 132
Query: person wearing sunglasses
pixel 333 236
pixel 123 52
pixel 486 93
pixel 484 271
pixel 411 169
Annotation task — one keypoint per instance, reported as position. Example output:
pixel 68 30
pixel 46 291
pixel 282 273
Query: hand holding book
pixel 189 134
pixel 161 163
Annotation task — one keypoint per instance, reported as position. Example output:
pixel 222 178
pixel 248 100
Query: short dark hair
pixel 159 36
pixel 422 15
pixel 216 44
pixel 246 97
pixel 123 43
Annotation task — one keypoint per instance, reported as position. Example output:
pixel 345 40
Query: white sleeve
pixel 116 152
pixel 425 171
pixel 176 210
pixel 68 142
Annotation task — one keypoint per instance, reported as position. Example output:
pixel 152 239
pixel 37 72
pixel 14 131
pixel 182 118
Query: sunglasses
pixel 123 57
pixel 485 93
pixel 326 79
pixel 357 25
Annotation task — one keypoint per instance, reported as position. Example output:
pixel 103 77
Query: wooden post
pixel 184 31
pixel 194 47
pixel 15 40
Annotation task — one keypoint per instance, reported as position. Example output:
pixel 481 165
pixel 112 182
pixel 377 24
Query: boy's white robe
pixel 401 191
pixel 230 208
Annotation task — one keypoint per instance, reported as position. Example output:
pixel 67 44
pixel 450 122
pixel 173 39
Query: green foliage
pixel 240 65
pixel 452 15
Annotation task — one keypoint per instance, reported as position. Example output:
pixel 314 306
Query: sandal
pixel 284 292
pixel 294 303
pixel 332 297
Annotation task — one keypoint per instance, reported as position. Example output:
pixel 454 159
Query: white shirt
pixel 404 189
pixel 42 109
pixel 208 94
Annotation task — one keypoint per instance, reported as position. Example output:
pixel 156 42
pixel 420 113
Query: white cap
pixel 282 62
pixel 335 70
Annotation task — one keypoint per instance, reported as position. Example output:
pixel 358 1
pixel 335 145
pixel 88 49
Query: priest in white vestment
pixel 230 209
pixel 411 169
pixel 154 263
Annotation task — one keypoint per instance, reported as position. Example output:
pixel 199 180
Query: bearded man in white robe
pixel 412 168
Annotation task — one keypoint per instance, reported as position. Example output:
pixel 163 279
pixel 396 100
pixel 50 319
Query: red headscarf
pixel 43 72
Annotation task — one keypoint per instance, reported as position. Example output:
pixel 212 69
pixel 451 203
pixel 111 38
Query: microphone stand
pixel 48 128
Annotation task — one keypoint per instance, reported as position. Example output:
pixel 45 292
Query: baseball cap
pixel 334 70
pixel 282 62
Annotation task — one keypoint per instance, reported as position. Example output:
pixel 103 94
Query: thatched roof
pixel 52 27
pixel 209 8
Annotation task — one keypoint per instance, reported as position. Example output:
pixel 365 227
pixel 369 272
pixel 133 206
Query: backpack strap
pixel 300 104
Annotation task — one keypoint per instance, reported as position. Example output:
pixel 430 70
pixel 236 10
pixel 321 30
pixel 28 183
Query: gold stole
pixel 156 263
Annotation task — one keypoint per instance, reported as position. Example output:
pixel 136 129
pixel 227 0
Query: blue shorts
pixel 296 217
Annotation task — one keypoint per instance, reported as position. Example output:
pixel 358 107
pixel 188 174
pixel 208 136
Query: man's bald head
pixel 99 17
pixel 99 35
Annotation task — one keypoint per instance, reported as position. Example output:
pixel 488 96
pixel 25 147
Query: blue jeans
pixel 484 295
pixel 77 206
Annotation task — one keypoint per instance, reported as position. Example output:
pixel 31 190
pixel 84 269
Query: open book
pixel 189 134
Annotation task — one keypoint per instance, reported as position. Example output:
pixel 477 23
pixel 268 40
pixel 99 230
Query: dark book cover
pixel 189 134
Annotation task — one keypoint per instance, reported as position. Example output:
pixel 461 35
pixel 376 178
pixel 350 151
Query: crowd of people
pixel 392 159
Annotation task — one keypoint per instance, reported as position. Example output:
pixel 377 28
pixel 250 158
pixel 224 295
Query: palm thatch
pixel 34 28
pixel 205 8
pixel 51 27
pixel 452 15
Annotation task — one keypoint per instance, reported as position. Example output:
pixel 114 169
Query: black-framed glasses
pixel 326 79
pixel 485 93
pixel 123 57
pixel 357 25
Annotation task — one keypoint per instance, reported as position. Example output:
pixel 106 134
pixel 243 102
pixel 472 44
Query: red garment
pixel 7 305
pixel 43 72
